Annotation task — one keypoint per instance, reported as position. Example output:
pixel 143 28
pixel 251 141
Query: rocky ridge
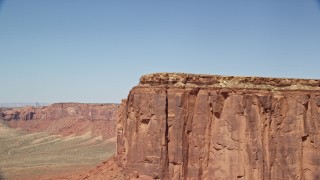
pixel 64 118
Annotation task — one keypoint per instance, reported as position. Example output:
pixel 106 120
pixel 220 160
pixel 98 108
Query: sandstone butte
pixel 65 119
pixel 186 126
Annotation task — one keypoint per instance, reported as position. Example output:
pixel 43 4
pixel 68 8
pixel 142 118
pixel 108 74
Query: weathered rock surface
pixel 65 118
pixel 182 126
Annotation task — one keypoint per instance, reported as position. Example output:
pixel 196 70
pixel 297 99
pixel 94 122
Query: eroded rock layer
pixel 182 126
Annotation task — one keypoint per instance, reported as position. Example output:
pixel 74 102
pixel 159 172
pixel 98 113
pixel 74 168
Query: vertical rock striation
pixel 184 126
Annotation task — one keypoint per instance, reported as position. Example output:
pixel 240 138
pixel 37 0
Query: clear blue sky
pixel 95 51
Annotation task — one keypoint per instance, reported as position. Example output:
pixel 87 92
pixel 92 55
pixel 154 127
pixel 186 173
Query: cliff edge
pixel 185 126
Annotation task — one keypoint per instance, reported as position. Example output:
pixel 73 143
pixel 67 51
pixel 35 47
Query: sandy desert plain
pixel 26 155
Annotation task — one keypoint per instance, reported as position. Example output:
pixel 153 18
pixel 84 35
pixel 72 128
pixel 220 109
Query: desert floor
pixel 26 155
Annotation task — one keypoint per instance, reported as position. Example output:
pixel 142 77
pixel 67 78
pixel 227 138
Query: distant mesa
pixel 63 118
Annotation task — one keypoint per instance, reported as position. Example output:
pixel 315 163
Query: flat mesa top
pixel 183 80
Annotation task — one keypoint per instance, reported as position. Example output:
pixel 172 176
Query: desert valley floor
pixel 40 155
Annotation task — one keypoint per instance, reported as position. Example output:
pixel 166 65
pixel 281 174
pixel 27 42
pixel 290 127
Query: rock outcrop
pixel 65 118
pixel 184 126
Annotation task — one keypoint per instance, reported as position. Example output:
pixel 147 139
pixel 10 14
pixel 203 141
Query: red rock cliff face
pixel 180 126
